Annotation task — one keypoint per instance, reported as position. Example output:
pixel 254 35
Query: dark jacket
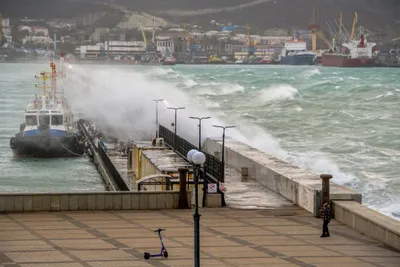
pixel 327 213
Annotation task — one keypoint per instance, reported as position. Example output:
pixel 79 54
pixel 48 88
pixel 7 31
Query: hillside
pixel 377 15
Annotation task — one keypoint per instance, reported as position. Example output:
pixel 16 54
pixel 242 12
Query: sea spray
pixel 319 137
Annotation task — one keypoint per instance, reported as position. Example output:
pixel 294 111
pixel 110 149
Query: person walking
pixel 326 218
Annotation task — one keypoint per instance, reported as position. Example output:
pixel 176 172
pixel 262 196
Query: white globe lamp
pixel 198 158
pixel 190 154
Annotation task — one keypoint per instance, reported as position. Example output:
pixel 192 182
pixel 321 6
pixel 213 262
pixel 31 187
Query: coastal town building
pixel 35 30
pixel 37 39
pixel 6 30
pixel 114 50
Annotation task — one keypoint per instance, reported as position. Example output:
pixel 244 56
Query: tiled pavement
pixel 228 238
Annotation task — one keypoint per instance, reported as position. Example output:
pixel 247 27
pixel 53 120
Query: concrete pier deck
pixel 281 238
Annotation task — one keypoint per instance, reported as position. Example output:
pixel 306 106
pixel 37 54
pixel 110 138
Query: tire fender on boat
pixel 12 143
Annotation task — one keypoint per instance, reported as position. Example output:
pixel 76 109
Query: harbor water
pixel 327 120
pixel 26 174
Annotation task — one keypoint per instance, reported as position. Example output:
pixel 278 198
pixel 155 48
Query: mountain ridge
pixel 377 15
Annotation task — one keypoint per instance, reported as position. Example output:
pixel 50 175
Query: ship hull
pixel 169 63
pixel 297 60
pixel 344 61
pixel 46 146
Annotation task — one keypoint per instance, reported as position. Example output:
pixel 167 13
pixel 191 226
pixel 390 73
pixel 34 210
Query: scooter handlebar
pixel 158 230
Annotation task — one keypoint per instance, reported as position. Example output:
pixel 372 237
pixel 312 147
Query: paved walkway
pixel 229 237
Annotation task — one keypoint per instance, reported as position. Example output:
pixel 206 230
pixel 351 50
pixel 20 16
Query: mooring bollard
pixel 183 200
pixel 325 187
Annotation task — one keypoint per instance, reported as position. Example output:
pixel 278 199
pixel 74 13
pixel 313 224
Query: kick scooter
pixel 163 252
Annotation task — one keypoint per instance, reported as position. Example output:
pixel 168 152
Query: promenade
pixel 282 237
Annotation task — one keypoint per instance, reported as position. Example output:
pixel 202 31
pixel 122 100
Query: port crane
pixel 315 29
pixel 191 44
pixel 353 29
pixel 251 48
pixel 151 47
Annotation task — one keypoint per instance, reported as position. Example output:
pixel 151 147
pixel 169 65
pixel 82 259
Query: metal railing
pixel 213 165
pixel 111 169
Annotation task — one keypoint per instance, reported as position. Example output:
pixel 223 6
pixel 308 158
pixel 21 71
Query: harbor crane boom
pixel 353 29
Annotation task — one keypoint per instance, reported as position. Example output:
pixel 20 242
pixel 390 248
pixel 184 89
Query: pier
pixel 114 228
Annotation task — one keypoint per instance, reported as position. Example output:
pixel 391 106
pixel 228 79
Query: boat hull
pixel 298 60
pixel 344 61
pixel 169 63
pixel 46 146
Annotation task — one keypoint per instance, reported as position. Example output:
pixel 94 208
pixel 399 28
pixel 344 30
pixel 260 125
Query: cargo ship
pixel 295 52
pixel 352 54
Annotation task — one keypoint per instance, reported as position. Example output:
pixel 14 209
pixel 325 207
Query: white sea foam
pixel 277 93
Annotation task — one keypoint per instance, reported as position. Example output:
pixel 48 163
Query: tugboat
pixel 48 130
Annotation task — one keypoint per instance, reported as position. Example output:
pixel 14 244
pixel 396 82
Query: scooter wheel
pixel 146 255
pixel 165 254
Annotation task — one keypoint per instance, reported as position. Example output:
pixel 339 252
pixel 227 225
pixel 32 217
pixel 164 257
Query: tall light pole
pixel 176 111
pixel 200 119
pixel 223 149
pixel 157 100
pixel 197 159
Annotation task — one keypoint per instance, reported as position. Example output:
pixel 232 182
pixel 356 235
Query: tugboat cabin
pixel 51 120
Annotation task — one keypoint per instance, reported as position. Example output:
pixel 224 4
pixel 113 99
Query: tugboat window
pixel 56 119
pixel 31 120
pixel 44 120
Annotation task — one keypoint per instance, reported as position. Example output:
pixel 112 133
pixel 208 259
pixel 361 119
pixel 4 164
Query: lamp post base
pixel 196 219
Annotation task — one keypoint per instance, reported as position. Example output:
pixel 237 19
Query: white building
pixel 165 44
pixel 34 30
pixel 5 22
pixel 37 39
pixel 40 30
pixel 112 49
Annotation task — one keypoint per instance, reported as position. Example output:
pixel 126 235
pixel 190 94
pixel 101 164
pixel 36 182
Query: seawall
pixel 89 201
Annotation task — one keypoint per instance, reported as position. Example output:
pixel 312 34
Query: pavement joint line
pixel 119 246
pixel 309 243
pixel 183 244
pixel 366 242
pixel 246 243
pixel 5 259
pixel 49 242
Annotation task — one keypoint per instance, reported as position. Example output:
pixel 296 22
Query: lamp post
pixel 223 149
pixel 197 159
pixel 176 111
pixel 157 100
pixel 200 119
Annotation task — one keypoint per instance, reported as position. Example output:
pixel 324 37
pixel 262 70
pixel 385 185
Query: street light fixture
pixel 157 100
pixel 176 111
pixel 200 119
pixel 197 159
pixel 223 149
